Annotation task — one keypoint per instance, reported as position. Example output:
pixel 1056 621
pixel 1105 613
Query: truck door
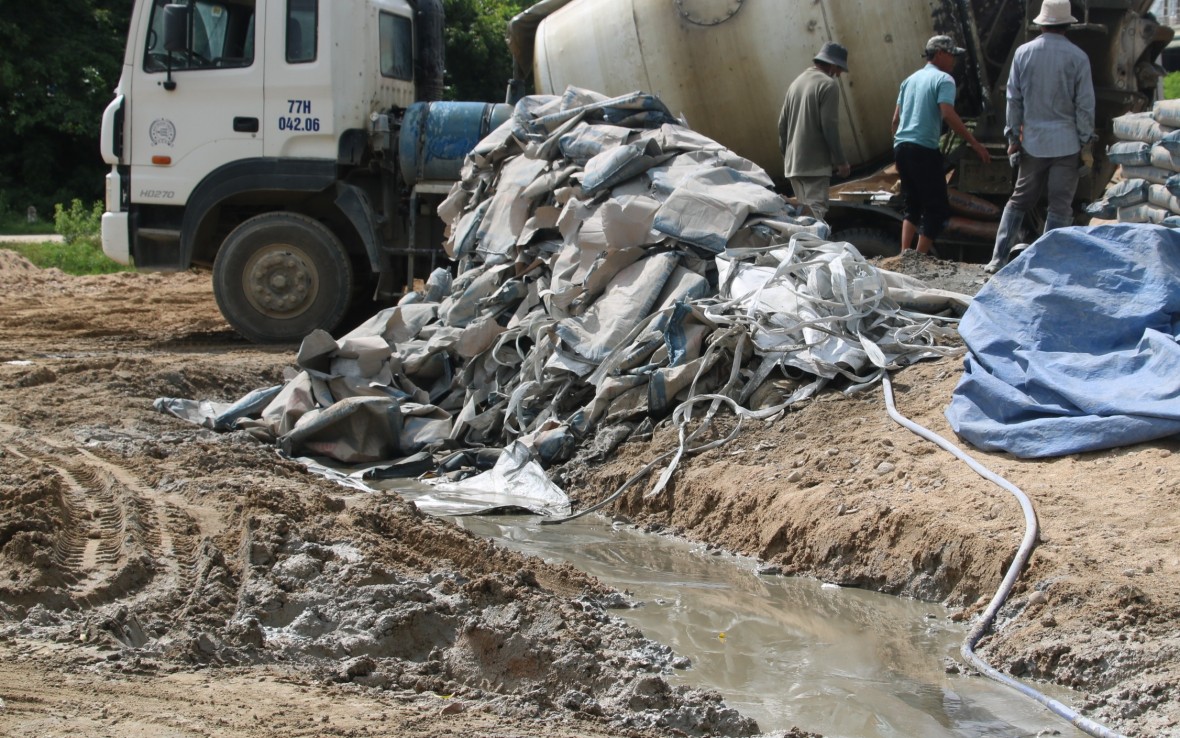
pixel 328 67
pixel 212 114
pixel 299 85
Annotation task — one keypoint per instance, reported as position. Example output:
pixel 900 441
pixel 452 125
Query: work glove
pixel 1087 158
pixel 1014 156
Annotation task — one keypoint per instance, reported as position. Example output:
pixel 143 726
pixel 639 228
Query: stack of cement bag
pixel 1148 155
pixel 612 264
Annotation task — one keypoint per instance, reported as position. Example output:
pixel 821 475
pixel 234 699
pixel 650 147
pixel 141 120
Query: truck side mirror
pixel 176 27
pixel 175 35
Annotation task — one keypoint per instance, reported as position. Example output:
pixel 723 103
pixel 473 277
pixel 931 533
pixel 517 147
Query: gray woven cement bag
pixel 1139 127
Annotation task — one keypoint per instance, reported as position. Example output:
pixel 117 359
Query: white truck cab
pixel 259 138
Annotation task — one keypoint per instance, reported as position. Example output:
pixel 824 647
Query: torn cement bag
pixel 913 294
pixel 627 221
pixel 399 324
pixel 218 415
pixel 613 166
pixel 505 218
pixel 514 484
pixel 583 144
pixel 709 206
pixel 355 431
pixel 821 307
pixel 627 300
pixel 360 430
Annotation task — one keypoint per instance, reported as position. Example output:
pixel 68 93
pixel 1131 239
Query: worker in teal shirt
pixel 926 99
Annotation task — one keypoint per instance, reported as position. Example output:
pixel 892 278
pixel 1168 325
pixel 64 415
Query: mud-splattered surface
pixel 160 579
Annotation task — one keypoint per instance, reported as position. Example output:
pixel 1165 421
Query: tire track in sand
pixel 119 537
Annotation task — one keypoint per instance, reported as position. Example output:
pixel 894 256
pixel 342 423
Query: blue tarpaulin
pixel 1074 345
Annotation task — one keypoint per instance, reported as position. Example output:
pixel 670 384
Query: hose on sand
pixel 1026 546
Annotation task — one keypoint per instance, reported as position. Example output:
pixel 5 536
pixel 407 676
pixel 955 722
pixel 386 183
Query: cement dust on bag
pixel 611 264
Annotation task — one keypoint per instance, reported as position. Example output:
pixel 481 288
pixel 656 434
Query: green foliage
pixel 13 222
pixel 478 64
pixel 79 225
pixel 59 62
pixel 1172 86
pixel 77 259
pixel 18 224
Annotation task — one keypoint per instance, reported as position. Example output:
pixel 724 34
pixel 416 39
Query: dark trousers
pixel 1059 174
pixel 923 188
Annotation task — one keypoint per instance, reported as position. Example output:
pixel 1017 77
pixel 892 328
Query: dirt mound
pixel 13 265
pixel 18 273
pixel 945 274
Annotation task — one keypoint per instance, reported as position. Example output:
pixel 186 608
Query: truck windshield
pixel 220 34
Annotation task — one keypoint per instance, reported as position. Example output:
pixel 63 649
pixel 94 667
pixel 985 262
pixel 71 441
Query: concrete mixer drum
pixel 708 12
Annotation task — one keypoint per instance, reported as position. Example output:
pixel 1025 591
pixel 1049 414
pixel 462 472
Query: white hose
pixel 1026 546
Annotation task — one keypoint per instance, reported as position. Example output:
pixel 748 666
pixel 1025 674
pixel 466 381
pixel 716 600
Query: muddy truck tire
pixel 279 276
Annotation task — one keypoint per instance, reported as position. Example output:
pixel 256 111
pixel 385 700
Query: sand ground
pixel 161 579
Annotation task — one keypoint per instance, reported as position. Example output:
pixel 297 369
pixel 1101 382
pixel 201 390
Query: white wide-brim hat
pixel 1054 13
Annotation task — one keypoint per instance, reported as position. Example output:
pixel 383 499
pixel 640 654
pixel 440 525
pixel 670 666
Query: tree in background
pixel 59 63
pixel 478 65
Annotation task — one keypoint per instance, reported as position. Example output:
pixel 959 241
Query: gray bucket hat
pixel 834 54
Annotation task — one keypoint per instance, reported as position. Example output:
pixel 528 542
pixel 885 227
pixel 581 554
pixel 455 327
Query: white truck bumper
pixel 116 240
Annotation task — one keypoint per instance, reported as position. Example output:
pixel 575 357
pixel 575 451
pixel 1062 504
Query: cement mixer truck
pixel 724 65
pixel 295 147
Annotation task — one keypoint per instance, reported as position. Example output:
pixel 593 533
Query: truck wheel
pixel 279 276
pixel 870 242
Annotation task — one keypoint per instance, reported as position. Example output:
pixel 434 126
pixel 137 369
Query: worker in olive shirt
pixel 809 130
pixel 926 99
pixel 1050 122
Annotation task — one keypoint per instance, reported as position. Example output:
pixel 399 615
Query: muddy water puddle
pixel 788 651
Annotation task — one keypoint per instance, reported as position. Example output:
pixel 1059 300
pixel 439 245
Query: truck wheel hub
pixel 280 280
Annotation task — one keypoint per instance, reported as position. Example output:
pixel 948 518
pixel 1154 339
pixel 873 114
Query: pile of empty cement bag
pixel 612 264
pixel 1146 184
